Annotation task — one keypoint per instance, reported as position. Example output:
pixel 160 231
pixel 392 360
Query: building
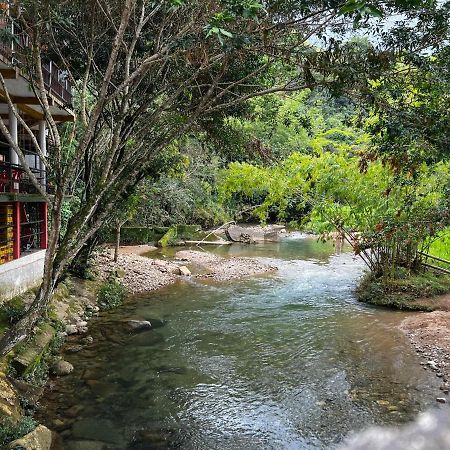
pixel 23 211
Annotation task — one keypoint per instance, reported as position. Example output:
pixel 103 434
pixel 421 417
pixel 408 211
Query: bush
pixel 111 294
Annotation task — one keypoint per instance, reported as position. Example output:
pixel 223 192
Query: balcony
pixel 14 179
pixel 14 48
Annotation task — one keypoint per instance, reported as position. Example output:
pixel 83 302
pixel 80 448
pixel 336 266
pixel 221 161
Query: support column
pixel 16 234
pixel 44 226
pixel 43 144
pixel 14 159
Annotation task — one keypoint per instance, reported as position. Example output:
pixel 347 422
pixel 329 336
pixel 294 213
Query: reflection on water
pixel 282 361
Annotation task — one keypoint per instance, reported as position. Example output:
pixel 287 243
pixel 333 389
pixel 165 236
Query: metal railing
pixel 14 179
pixel 15 43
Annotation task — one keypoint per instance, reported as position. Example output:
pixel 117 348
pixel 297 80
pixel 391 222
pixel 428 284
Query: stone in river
pixel 62 368
pixel 138 325
pixel 96 430
pixel 86 445
pixel 146 339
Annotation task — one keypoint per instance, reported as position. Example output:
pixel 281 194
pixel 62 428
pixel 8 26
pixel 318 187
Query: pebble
pixel 441 400
pixel 74 349
pixel 71 329
pixel 82 324
pixel 87 340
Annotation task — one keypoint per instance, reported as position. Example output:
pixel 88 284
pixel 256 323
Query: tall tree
pixel 145 72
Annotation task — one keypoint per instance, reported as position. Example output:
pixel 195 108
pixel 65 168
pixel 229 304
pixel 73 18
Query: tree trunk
pixel 116 250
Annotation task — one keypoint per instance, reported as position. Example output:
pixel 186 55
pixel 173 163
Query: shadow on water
pixel 282 361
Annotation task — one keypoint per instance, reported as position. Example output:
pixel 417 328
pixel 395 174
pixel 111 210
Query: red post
pixel 16 234
pixel 44 225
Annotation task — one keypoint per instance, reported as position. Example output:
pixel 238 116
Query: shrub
pixel 12 311
pixel 111 294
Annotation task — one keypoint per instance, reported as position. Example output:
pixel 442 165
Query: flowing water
pixel 288 360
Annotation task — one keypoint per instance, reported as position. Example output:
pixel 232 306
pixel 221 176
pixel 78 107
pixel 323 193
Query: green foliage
pixel 305 122
pixel 440 246
pixel 12 311
pixel 186 195
pixel 393 215
pixel 10 431
pixel 111 294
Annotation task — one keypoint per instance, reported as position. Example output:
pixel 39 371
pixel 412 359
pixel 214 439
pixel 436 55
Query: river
pixel 288 360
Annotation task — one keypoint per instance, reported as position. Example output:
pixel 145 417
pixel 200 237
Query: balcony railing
pixel 14 179
pixel 14 45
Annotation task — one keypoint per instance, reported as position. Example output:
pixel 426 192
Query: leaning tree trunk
pixel 38 309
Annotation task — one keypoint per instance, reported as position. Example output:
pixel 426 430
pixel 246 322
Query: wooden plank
pixel 434 257
pixel 441 269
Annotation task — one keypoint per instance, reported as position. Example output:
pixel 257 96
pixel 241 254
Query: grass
pixel 440 247
pixel 407 292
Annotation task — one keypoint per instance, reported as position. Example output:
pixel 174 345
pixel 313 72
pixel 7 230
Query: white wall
pixel 21 275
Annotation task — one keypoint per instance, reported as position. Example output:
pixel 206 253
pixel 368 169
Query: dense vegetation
pixel 170 92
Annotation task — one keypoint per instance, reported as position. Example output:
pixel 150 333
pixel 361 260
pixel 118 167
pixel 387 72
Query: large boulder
pixel 39 439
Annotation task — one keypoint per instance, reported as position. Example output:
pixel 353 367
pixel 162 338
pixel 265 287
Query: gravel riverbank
pixel 142 274
pixel 430 335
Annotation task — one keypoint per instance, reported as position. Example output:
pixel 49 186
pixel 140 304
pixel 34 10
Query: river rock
pixel 86 445
pixel 71 329
pixel 441 400
pixel 183 270
pixel 39 439
pixel 74 411
pixel 62 368
pixel 96 430
pixel 146 339
pixel 73 348
pixel 138 325
pixel 87 340
pixel 82 324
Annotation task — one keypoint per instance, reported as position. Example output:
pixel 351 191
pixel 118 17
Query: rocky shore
pixel 429 333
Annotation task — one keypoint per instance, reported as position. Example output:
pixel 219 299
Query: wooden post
pixel 16 234
pixel 44 225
